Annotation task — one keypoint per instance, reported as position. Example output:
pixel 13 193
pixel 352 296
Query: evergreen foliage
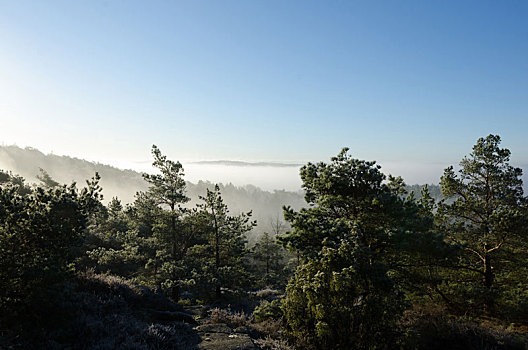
pixel 269 262
pixel 487 219
pixel 39 233
pixel 220 256
pixel 342 295
pixel 167 191
pixel 377 268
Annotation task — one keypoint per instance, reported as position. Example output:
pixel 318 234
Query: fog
pixel 266 177
pixel 287 178
pixel 262 199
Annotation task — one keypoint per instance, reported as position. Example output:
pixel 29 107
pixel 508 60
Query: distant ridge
pixel 64 169
pixel 124 184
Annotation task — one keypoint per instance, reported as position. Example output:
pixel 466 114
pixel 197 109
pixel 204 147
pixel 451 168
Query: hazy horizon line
pixel 389 166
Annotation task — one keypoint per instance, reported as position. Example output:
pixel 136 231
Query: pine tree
pixel 223 250
pixel 357 232
pixel 269 261
pixel 167 191
pixel 40 232
pixel 484 213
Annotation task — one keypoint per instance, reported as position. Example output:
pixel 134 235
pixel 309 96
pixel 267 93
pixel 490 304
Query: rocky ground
pixel 221 337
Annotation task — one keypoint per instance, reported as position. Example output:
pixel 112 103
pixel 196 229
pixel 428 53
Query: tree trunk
pixel 488 283
pixel 218 291
pixel 175 290
pixel 488 273
pixel 173 234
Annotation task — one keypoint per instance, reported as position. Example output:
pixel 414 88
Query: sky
pixel 411 84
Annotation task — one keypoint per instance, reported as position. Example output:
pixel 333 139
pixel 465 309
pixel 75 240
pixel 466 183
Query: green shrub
pixel 268 310
pixel 39 231
pixel 343 302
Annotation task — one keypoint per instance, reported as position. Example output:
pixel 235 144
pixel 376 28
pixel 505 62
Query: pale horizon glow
pixel 272 178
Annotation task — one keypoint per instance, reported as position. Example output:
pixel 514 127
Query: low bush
pixel 434 329
pixel 267 293
pixel 270 343
pixel 268 310
pixel 104 312
pixel 232 319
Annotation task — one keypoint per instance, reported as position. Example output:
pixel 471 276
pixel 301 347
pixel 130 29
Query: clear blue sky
pixel 414 82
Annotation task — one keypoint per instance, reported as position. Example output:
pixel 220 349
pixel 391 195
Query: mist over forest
pixel 181 261
pixel 266 205
pixel 263 175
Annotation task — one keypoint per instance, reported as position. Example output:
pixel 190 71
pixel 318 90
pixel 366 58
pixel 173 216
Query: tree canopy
pixel 485 214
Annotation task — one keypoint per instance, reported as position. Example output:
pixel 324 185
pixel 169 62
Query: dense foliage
pixel 487 219
pixel 365 265
pixel 40 230
pixel 354 237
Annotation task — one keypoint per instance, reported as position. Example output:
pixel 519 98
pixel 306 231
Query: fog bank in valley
pixel 266 203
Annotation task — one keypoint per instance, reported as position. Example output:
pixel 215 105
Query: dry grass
pixel 268 334
pixel 432 328
pixel 270 343
pixel 232 319
pixel 267 293
pixel 270 328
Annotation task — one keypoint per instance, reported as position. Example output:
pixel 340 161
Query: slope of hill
pixel 27 162
pixel 124 184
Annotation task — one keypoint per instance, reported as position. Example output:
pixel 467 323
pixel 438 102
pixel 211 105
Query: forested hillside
pixel 362 266
pixel 124 184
